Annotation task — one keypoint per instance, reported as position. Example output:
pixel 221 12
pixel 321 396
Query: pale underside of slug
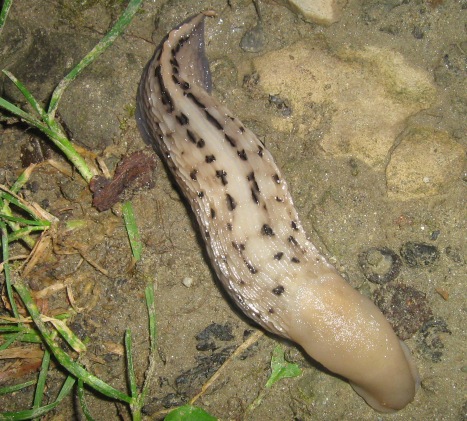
pixel 252 232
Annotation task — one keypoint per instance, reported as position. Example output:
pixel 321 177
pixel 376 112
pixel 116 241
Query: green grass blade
pixel 22 179
pixel 132 230
pixel 82 401
pixel 15 388
pixel 189 413
pixel 15 201
pixel 4 12
pixel 37 222
pixel 9 339
pixel 129 364
pixel 38 412
pixel 106 42
pixel 149 293
pixel 63 358
pixel 6 269
pixel 29 97
pixel 28 118
pixel 23 233
pixel 39 394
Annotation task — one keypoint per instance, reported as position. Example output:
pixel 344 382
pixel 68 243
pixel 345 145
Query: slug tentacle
pixel 252 231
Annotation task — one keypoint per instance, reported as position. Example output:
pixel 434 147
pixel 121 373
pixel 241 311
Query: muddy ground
pixel 415 239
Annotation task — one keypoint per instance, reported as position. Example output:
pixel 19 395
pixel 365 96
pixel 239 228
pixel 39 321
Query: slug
pixel 253 235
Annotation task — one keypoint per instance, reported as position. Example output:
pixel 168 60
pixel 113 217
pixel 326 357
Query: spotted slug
pixel 252 232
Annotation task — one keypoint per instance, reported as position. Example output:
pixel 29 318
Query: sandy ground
pixel 403 195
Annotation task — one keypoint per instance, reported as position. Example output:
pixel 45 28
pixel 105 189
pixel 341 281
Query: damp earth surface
pixel 367 119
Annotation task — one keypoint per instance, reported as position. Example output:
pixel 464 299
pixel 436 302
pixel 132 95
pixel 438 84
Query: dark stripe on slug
pixel 173 61
pixel 260 151
pixel 210 158
pixel 254 196
pixel 231 204
pixel 191 135
pixel 278 256
pixel 189 95
pixel 267 230
pixel 222 175
pixel 165 96
pixel 230 139
pixel 278 290
pixel 213 120
pixel 213 213
pixel 180 45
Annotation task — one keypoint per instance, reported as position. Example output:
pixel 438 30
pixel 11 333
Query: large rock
pixel 423 164
pixel 355 103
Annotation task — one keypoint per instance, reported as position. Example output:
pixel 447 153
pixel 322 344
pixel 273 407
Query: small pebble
pixel 419 254
pixel 380 265
pixel 187 281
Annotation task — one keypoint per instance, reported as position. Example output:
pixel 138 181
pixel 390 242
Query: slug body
pixel 252 232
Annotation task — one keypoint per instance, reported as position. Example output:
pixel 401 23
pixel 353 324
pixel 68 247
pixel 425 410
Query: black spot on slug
pixel 278 290
pixel 294 260
pixel 210 158
pixel 267 230
pixel 201 143
pixel 292 240
pixel 231 204
pixel 182 119
pixel 193 174
pixel 271 311
pixel 279 199
pixel 238 246
pixel 242 155
pixel 276 178
pixel 200 194
pixel 229 226
pixel 278 256
pixel 250 267
pixel 222 175
pixel 260 151
pixel 213 213
pixel 294 226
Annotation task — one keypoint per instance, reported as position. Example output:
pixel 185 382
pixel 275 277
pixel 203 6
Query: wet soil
pixel 343 203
